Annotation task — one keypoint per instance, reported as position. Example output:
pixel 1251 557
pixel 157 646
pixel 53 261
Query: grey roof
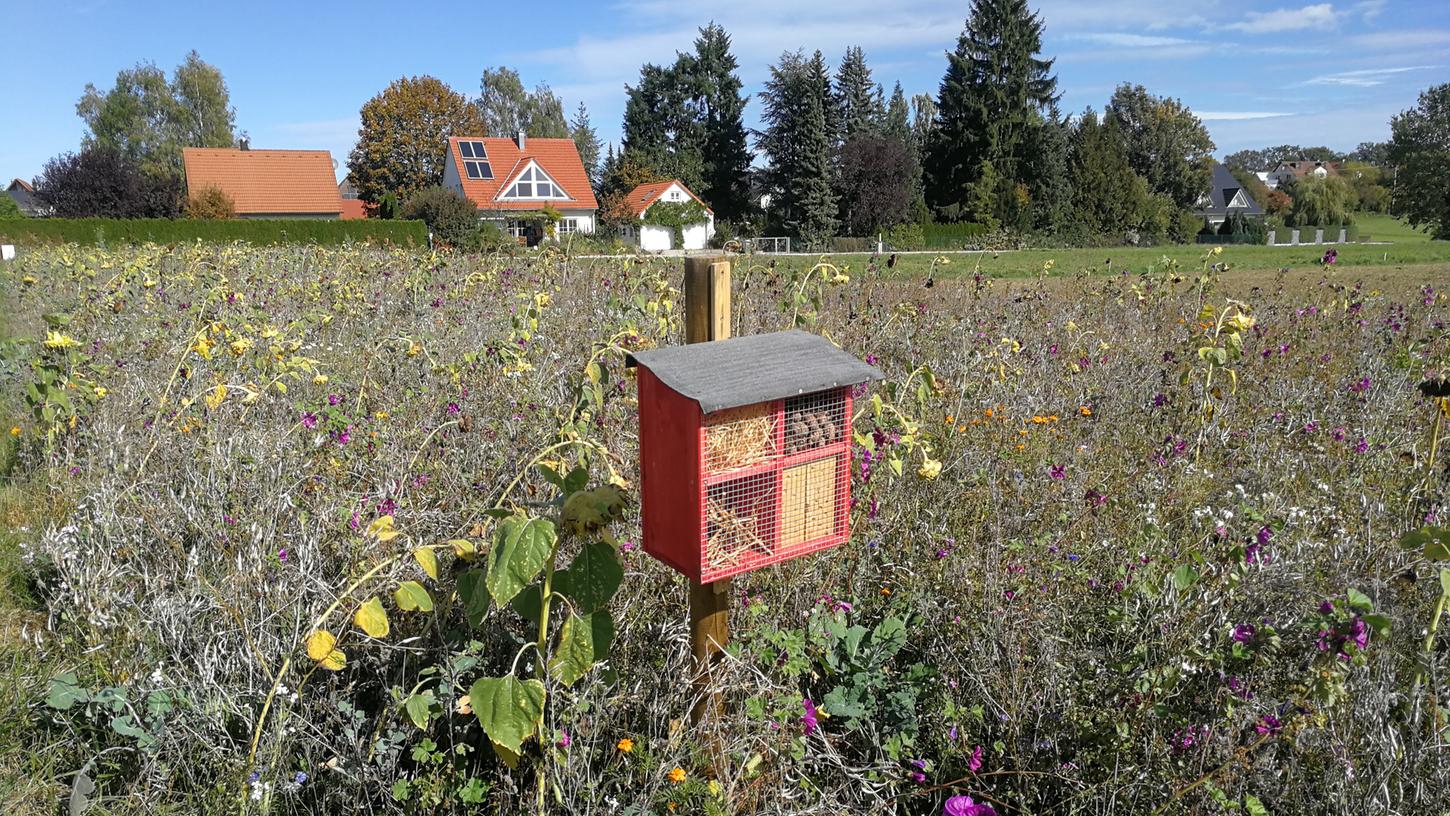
pixel 761 367
pixel 1224 188
pixel 28 202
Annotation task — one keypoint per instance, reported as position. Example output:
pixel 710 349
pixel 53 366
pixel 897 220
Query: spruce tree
pixel 857 107
pixel 587 140
pixel 1046 173
pixel 713 90
pixel 1108 197
pixel 798 147
pixel 994 89
pixel 660 131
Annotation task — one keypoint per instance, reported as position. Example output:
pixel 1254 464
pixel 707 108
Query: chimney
pixel 520 139
pixel 244 143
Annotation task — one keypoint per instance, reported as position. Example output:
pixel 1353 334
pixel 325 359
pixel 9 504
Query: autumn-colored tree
pixel 401 145
pixel 621 177
pixel 210 203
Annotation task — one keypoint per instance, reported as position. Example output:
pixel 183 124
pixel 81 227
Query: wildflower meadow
pixel 318 530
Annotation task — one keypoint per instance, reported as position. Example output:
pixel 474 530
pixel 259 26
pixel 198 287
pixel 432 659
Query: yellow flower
pixel 320 379
pixel 15 430
pixel 930 469
pixel 240 346
pixel 677 775
pixel 59 340
pixel 1048 264
pixel 1084 410
pixel 101 392
pixel 625 745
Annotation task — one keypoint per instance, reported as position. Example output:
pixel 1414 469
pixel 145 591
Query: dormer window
pixel 534 183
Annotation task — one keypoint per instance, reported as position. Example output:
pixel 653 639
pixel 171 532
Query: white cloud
pixel 1401 41
pixel 1122 39
pixel 1237 116
pixel 1369 9
pixel 1320 16
pixel 1365 78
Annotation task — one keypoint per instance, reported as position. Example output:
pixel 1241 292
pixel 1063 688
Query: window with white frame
pixel 568 226
pixel 534 183
pixel 517 228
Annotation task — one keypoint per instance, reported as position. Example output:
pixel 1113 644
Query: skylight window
pixel 475 160
pixel 534 183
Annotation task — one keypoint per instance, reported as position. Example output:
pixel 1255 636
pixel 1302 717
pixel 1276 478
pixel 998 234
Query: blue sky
pixel 1258 72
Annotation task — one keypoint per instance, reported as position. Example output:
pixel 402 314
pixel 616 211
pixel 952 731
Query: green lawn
pixel 1376 227
pixel 1137 259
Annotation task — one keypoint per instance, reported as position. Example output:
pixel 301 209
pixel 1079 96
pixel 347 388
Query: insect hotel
pixel 745 450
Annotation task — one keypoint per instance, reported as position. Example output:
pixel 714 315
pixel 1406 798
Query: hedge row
pixel 164 231
pixel 950 236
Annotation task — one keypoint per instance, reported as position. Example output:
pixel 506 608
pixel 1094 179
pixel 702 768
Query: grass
pixel 1027 263
pixel 1380 227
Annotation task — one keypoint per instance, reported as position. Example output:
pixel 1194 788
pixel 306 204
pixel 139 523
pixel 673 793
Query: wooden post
pixel 707 317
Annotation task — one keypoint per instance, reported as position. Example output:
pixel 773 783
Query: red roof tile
pixel 353 209
pixel 558 157
pixel 22 184
pixel 641 197
pixel 268 182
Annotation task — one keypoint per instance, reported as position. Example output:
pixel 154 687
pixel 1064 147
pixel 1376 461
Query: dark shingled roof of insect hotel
pixel 761 367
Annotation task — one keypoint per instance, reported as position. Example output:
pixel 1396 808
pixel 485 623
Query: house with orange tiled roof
pixel 267 183
pixel 657 237
pixel 511 180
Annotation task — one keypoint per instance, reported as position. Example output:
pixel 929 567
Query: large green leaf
pixel 593 577
pixel 472 590
pixel 530 603
pixel 510 710
pixel 583 641
pixel 521 548
pixel 1432 542
pixel 65 692
pixel 420 708
pixel 410 596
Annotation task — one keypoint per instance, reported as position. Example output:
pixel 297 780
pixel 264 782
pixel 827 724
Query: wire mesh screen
pixel 740 437
pixel 777 479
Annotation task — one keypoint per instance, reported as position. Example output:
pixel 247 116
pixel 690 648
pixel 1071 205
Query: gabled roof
pixel 645 195
pixel 1303 167
pixel 1227 195
pixel 559 158
pixel 20 184
pixel 755 368
pixel 268 182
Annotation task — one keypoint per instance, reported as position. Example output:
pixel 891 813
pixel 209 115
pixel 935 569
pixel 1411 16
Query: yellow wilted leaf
pixel 216 397
pixel 427 560
pixel 382 529
pixel 463 548
pixel 372 618
pixel 320 644
pixel 335 660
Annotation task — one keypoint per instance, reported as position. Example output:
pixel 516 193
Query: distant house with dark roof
pixel 509 178
pixel 26 199
pixel 267 183
pixel 652 237
pixel 1226 197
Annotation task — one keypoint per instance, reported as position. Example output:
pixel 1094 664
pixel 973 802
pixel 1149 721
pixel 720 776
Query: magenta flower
pixel 1058 472
pixel 975 763
pixel 964 806
pixel 808 720
pixel 1269 724
pixel 309 420
pixel 564 740
pixel 1244 632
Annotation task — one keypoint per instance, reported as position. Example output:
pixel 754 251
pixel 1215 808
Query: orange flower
pixel 989 413
pixel 951 420
pixel 1084 410
pixel 677 775
pixel 886 590
pixel 625 745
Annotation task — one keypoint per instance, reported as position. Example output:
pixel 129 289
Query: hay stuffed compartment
pixel 745 450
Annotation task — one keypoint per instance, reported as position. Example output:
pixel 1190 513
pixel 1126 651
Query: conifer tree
pixel 798 147
pixel 713 91
pixel 587 140
pixel 995 87
pixel 858 105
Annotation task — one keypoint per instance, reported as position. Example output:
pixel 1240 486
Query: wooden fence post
pixel 707 317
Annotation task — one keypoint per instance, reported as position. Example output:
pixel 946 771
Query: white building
pixel 507 179
pixel 656 238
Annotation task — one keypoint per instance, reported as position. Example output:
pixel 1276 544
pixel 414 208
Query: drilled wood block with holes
pixel 745 450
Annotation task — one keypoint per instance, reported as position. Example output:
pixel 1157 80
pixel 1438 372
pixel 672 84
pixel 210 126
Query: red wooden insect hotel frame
pixel 745 450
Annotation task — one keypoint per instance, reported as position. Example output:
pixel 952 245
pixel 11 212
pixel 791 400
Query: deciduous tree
pixel 100 182
pixel 148 120
pixel 402 144
pixel 877 175
pixel 1420 151
pixel 506 108
pixel 1167 144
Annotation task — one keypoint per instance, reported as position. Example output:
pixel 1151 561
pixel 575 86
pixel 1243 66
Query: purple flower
pixel 964 806
pixel 1326 607
pixel 1359 633
pixel 564 739
pixel 282 554
pixel 975 763
pixel 871 359
pixel 309 420
pixel 453 409
pixel 808 720
pixel 1058 472
pixel 333 399
pixel 1269 724
pixel 1244 632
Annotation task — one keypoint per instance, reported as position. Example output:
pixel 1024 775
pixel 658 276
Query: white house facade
pixel 657 238
pixel 511 180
